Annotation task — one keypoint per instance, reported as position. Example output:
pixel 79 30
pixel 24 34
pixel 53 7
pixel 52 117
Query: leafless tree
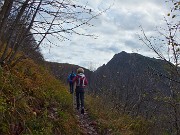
pixel 167 47
pixel 42 19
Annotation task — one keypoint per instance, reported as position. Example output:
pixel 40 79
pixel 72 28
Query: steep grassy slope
pixel 111 121
pixel 33 102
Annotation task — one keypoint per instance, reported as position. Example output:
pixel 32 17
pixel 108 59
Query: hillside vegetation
pixel 32 101
pixel 111 121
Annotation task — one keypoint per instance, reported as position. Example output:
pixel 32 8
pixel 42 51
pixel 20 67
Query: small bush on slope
pixel 112 121
pixel 33 102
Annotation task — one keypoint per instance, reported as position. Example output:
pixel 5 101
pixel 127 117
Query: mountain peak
pixel 124 56
pixel 121 53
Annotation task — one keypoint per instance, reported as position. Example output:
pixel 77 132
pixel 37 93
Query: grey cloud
pixel 131 21
pixel 133 44
pixel 116 29
pixel 111 48
pixel 114 49
pixel 138 2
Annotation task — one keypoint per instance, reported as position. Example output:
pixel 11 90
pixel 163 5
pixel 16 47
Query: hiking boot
pixel 82 111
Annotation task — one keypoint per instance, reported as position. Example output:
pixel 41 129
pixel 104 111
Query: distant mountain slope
pixel 132 83
pixel 62 70
pixel 123 70
pixel 126 69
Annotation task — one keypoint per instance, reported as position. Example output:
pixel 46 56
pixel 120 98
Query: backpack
pixel 81 81
pixel 72 76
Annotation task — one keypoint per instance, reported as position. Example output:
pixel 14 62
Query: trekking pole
pixel 73 99
pixel 74 87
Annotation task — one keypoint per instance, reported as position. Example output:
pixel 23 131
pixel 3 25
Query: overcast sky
pixel 117 30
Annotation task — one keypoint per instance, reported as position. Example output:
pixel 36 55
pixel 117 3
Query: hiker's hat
pixel 80 70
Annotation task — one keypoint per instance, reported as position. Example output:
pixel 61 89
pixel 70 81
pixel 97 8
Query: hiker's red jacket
pixel 80 80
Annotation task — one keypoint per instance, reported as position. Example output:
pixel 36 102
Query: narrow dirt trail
pixel 87 126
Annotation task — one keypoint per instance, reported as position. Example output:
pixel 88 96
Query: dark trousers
pixel 71 87
pixel 80 97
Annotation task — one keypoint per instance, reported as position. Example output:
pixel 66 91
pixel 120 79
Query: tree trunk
pixel 4 13
pixel 14 28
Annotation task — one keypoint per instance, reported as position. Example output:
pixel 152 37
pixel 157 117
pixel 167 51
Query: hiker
pixel 81 82
pixel 70 79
